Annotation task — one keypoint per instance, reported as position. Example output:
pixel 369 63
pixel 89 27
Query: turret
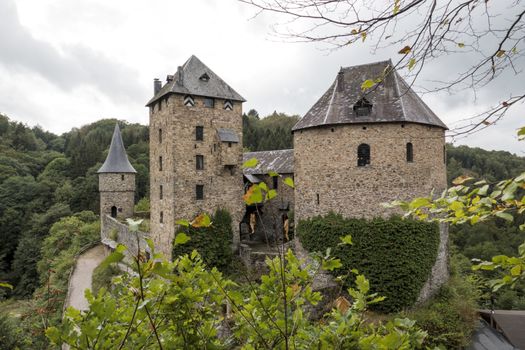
pixel 116 181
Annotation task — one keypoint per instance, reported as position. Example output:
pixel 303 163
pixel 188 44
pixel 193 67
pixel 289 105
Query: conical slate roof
pixel 392 100
pixel 117 159
pixel 195 78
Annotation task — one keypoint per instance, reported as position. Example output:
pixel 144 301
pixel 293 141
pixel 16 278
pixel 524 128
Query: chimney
pixel 169 78
pixel 180 78
pixel 340 80
pixel 156 86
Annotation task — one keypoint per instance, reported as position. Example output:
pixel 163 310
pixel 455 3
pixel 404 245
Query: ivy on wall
pixel 395 255
pixel 214 243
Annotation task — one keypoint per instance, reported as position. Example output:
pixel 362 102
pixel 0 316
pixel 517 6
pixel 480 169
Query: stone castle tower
pixel 354 150
pixel 195 150
pixel 116 181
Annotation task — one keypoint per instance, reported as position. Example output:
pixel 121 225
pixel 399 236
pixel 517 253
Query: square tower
pixel 195 150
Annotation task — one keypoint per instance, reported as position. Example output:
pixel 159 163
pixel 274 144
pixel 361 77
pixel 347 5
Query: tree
pixel 488 35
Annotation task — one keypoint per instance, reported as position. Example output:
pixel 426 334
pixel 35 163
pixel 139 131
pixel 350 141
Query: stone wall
pixel 114 232
pixel 117 189
pixel 327 177
pixel 223 185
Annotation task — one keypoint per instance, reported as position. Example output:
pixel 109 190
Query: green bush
pixel 102 276
pixel 214 243
pixel 142 205
pixel 395 255
pixel 10 334
pixel 450 317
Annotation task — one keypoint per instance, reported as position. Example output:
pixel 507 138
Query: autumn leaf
pixel 461 45
pixel 203 220
pixel 500 53
pixel 363 36
pixel 253 195
pixel 405 50
pixel 342 304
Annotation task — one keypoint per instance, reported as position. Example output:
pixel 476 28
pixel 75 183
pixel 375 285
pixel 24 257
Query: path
pixel 81 279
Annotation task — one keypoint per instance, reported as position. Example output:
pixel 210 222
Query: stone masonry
pixel 117 190
pixel 327 177
pixel 173 138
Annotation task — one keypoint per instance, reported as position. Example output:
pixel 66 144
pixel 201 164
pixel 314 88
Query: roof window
pixel 362 108
pixel 205 77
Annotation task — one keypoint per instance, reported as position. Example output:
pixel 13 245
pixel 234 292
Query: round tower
pixel 116 181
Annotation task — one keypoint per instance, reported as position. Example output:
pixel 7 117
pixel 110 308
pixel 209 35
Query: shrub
pixel 213 242
pixel 395 255
pixel 142 205
pixel 102 276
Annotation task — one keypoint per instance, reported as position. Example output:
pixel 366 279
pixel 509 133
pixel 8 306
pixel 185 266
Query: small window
pixel 205 77
pixel 122 177
pixel 410 152
pixel 199 162
pixel 160 105
pixel 160 135
pixel 444 154
pixel 209 102
pixel 160 163
pixel 189 101
pixel 229 144
pixel 199 133
pixel 362 108
pixel 228 105
pixel 363 154
pixel 318 199
pixel 161 194
pixel 199 192
pixel 161 219
pixel 275 182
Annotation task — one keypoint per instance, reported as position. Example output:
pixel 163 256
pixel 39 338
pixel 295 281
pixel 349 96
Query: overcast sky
pixel 66 63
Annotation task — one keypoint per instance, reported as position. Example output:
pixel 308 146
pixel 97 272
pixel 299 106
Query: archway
pixel 113 211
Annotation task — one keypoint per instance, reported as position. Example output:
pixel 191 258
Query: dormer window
pixel 205 77
pixel 228 105
pixel 209 102
pixel 362 108
pixel 189 101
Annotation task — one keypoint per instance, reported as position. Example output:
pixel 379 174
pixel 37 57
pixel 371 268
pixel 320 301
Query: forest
pixel 46 177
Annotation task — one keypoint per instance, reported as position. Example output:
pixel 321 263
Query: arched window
pixel 113 211
pixel 362 108
pixel 363 154
pixel 410 152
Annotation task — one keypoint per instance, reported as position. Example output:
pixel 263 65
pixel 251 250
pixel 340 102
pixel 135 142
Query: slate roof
pixel 280 161
pixel 190 83
pixel 510 322
pixel 392 100
pixel 117 159
pixel 227 135
pixel 487 338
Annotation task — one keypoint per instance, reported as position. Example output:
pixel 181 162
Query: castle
pixel 353 150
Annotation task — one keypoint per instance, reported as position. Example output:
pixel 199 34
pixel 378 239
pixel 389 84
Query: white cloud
pixel 73 62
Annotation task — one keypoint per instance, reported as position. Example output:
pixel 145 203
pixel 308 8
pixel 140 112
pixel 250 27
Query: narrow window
pixel 199 192
pixel 113 212
pixel 161 217
pixel 275 182
pixel 199 133
pixel 410 152
pixel 317 198
pixel 160 135
pixel 363 154
pixel 160 105
pixel 161 194
pixel 228 105
pixel 160 163
pixel 209 102
pixel 444 154
pixel 122 177
pixel 199 162
pixel 189 101
pixel 229 144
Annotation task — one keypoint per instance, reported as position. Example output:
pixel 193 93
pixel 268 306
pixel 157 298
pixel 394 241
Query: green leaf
pixel 346 239
pixel 461 45
pixel 289 182
pixel 362 284
pixel 504 216
pixel 6 285
pixel 397 5
pixel 367 84
pixel 461 179
pixel 516 270
pixel 184 223
pixel 521 133
pixel 331 264
pixel 272 173
pixel 411 63
pixel 253 195
pixel 181 238
pixel 271 194
pixel 263 186
pixel 250 163
pixel 114 257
